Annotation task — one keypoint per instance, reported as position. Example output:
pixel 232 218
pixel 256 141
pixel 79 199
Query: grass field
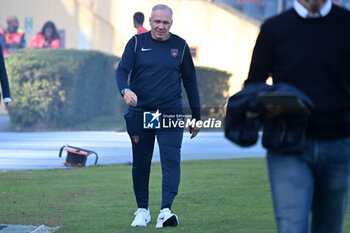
pixel 215 196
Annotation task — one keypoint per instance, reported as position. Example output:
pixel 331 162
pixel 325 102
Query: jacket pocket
pixel 133 123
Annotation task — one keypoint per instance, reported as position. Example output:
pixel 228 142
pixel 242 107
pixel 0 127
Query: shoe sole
pixel 139 225
pixel 171 222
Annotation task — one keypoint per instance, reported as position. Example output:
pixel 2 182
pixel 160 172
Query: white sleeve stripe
pixel 135 44
pixel 183 53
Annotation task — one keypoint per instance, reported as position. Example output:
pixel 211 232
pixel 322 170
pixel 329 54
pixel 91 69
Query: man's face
pixel 12 23
pixel 160 22
pixel 313 6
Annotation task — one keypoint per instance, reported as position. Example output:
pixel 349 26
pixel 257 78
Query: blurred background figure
pixel 47 38
pixel 12 38
pixel 139 18
pixel 4 80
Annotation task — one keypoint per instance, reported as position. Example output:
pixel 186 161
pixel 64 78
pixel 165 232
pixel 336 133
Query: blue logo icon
pixel 151 120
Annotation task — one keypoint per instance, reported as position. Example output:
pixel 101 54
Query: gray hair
pixel 163 6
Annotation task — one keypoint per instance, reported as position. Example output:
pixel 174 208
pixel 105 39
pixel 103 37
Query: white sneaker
pixel 142 217
pixel 167 219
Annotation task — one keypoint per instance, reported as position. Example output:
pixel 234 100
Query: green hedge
pixel 58 89
pixel 213 91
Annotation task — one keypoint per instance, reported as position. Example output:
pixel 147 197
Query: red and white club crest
pixel 174 52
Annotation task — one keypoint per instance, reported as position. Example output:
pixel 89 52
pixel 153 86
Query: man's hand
pixel 272 111
pixel 7 104
pixel 194 131
pixel 116 65
pixel 130 98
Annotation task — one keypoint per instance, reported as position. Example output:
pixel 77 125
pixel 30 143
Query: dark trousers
pixel 169 142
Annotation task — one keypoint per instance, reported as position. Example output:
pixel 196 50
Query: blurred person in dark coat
pixel 308 47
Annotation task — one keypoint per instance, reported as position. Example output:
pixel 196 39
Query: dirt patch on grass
pixel 79 195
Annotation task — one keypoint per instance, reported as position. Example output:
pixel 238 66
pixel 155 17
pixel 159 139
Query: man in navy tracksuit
pixel 157 61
